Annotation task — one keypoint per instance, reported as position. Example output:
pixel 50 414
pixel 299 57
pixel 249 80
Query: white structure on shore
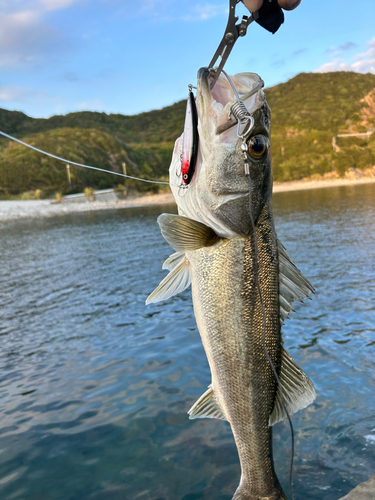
pixel 102 195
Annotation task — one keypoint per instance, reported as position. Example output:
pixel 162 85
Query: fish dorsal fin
pixel 292 284
pixel 175 282
pixel 298 390
pixel 185 234
pixel 206 407
pixel 173 260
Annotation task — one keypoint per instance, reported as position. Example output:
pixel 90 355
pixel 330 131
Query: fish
pixel 242 279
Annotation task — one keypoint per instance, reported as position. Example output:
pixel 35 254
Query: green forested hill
pixel 22 169
pixel 308 111
pixel 312 108
pixel 155 126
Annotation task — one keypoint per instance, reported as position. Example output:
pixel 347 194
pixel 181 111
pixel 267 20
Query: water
pixel 94 386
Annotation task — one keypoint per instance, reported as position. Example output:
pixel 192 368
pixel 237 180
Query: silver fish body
pixel 217 252
pixel 230 320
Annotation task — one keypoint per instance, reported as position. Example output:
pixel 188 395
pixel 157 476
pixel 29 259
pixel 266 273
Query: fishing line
pixel 264 340
pixel 80 164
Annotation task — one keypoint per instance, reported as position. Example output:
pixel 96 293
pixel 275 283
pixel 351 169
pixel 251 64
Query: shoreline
pixel 14 210
pixel 282 187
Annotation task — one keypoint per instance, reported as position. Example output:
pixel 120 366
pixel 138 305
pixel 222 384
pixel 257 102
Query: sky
pixel 118 56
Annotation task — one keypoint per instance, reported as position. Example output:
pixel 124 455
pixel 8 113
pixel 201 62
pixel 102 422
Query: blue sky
pixel 119 56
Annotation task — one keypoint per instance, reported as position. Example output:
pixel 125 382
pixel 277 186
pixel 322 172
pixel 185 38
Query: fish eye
pixel 257 146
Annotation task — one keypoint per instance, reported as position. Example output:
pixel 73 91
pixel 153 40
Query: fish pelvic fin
pixel 175 282
pixel 206 407
pixel 184 234
pixel 173 260
pixel 298 390
pixel 292 284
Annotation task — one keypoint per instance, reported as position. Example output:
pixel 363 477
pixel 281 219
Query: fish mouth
pixel 215 104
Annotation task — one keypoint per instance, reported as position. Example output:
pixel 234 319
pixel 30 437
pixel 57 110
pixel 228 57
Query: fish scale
pixel 258 475
pixel 215 253
pixel 242 380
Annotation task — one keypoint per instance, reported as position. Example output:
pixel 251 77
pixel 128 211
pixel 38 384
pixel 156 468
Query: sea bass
pixel 243 284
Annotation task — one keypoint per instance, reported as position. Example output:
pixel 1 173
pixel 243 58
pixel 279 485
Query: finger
pixel 253 5
pixel 289 4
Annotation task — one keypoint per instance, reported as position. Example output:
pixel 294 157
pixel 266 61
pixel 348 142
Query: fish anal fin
pixel 298 390
pixel 206 407
pixel 184 234
pixel 175 282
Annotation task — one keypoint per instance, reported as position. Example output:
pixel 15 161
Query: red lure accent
pixel 185 169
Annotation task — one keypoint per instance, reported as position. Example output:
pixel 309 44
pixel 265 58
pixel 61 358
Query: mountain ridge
pixel 309 113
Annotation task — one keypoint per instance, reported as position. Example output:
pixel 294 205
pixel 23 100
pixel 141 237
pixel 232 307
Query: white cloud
pixel 155 10
pixel 16 94
pixel 38 6
pixel 91 105
pixel 299 52
pixel 363 62
pixel 335 51
pixel 347 46
pixel 202 12
pixel 147 5
pixel 168 11
pixel 55 4
pixel 335 65
pixel 24 35
pixel 24 39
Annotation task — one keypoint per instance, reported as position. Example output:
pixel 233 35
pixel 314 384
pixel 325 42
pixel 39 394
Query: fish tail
pixel 243 493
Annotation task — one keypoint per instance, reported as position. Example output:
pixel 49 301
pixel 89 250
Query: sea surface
pixel 95 386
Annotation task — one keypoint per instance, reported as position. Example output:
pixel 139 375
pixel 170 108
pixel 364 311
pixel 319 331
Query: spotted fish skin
pixel 230 321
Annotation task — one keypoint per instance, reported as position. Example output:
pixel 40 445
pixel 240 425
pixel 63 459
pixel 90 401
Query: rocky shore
pixel 364 491
pixel 21 209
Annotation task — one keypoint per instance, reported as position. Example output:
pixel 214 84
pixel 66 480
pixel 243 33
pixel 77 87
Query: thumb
pixel 254 5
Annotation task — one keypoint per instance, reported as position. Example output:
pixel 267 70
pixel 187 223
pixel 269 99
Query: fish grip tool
pixel 270 16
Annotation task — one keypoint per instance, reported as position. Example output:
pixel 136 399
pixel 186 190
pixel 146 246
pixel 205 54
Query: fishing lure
pixel 190 140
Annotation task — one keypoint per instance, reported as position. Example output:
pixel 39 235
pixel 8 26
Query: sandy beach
pixel 280 187
pixel 23 209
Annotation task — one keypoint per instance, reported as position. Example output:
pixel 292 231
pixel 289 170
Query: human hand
pixel 254 5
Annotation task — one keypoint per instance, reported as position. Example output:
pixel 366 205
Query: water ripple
pixel 95 386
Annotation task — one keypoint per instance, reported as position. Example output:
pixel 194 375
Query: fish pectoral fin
pixel 206 407
pixel 298 390
pixel 185 234
pixel 175 282
pixel 292 284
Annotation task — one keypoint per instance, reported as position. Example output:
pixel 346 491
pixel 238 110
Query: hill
pixel 310 110
pixel 152 127
pixel 309 114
